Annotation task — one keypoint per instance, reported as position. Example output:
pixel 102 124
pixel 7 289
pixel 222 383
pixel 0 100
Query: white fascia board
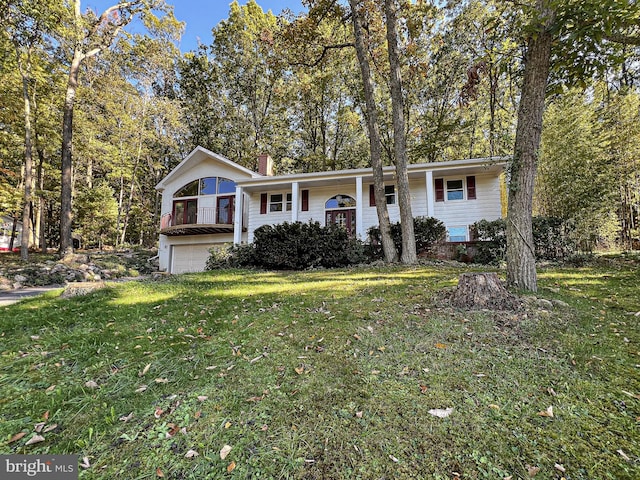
pixel 194 154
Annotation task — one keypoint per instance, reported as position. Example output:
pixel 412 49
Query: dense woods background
pixel 291 86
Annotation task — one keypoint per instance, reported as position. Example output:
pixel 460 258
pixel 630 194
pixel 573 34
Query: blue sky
pixel 202 15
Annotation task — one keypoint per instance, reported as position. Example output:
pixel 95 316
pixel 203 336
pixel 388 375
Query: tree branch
pixel 623 39
pixel 325 49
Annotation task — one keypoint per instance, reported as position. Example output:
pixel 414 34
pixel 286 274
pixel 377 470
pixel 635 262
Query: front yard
pixel 339 374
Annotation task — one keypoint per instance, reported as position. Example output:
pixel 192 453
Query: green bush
pixel 552 238
pixel 492 245
pixel 428 231
pixel 292 246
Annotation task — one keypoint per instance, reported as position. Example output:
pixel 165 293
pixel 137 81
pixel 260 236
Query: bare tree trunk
pixel 66 240
pixel 28 157
pixel 409 255
pixel 388 247
pixel 521 260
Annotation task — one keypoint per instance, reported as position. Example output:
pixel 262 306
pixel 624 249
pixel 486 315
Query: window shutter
pixel 471 188
pixel 439 190
pixel 305 200
pixel 263 203
pixel 372 196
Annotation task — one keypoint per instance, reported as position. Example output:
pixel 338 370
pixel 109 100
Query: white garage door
pixel 189 258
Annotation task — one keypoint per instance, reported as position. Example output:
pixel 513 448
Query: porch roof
pixel 347 177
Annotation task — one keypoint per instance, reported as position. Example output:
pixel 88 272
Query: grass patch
pixel 327 374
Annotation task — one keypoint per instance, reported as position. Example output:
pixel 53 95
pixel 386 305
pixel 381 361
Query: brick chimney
pixel 265 165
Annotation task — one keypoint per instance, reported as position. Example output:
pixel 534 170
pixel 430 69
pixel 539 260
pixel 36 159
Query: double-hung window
pixel 455 189
pixel 279 202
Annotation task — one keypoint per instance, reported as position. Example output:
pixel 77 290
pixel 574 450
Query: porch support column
pixel 359 203
pixel 295 194
pixel 430 194
pixel 237 222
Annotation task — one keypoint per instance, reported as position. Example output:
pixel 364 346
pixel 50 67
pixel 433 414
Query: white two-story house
pixel 208 199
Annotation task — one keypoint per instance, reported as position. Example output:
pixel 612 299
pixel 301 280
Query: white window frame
pixel 458 227
pixel 285 203
pixel 462 189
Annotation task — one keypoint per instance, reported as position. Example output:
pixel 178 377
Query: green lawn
pixel 328 374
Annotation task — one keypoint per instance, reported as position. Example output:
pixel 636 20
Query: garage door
pixel 189 258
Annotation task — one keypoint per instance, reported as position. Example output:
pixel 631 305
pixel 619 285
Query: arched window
pixel 341 210
pixel 340 201
pixel 189 190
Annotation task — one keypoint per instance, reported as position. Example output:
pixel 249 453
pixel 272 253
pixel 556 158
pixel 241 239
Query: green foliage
pixel 553 239
pixel 96 215
pixel 428 231
pixel 492 241
pixel 292 246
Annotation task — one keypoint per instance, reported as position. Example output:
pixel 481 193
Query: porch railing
pixel 205 216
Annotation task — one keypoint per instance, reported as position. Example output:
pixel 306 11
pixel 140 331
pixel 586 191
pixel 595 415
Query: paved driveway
pixel 9 297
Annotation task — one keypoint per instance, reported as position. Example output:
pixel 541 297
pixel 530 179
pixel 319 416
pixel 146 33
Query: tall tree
pixel 375 144
pixel 573 31
pixel 28 26
pixel 409 255
pixel 88 35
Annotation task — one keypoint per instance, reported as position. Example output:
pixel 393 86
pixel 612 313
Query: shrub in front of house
pixel 552 238
pixel 428 231
pixel 492 245
pixel 293 246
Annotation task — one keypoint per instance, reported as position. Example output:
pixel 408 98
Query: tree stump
pixel 477 291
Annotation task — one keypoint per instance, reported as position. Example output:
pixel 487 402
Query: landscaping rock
pixel 560 303
pixel 544 304
pixel 81 288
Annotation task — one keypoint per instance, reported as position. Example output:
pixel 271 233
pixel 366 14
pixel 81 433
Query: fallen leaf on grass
pixel 158 413
pixel 299 370
pixel 50 428
pixel 144 370
pixel 202 398
pixel 191 454
pixel 560 467
pixel 231 467
pixel 532 471
pixel 141 388
pixel 35 439
pixel 440 345
pixel 159 473
pixel 225 451
pixel 51 388
pixel 126 418
pixel 161 380
pixel 624 456
pixel 393 459
pixel 17 437
pixel 493 406
pixel 423 388
pixel 632 395
pixel 85 463
pixel 39 426
pixel 547 413
pixel 440 413
pixel 91 384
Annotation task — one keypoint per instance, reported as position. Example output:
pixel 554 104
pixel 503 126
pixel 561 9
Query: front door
pixel 343 218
